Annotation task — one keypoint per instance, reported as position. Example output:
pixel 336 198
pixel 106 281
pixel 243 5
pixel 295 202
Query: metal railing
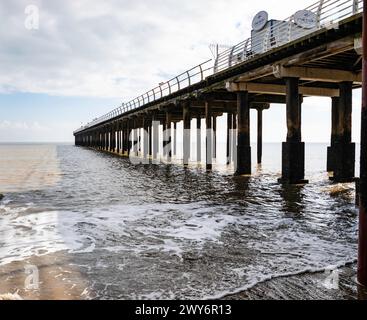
pixel 183 80
pixel 328 14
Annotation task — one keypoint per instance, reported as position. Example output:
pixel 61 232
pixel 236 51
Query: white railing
pixel 183 80
pixel 328 14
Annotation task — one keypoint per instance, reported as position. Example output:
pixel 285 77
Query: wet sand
pixel 59 279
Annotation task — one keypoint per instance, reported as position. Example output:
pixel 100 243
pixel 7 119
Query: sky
pixel 85 57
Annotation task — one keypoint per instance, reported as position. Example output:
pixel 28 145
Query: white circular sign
pixel 260 21
pixel 305 19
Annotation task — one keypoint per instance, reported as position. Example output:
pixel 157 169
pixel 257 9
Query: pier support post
pixel 214 137
pixel 164 138
pixel 169 136
pixel 293 159
pixel 155 130
pixel 175 139
pixel 135 138
pixel 259 135
pixel 243 135
pixel 128 136
pixel 344 151
pixel 334 133
pixel 118 145
pixel 106 139
pixel 186 133
pixel 229 137
pixel 234 139
pixel 150 147
pixel 209 136
pixel 198 138
pixel 114 137
pixel 260 110
pixel 110 138
pixel 362 248
pixel 145 138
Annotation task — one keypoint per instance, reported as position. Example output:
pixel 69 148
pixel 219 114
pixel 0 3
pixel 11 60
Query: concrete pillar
pixel 135 138
pixel 145 138
pixel 362 246
pixel 229 137
pixel 113 138
pixel 128 136
pixel 198 138
pixel 164 136
pixel 107 142
pixel 234 138
pixel 344 151
pixel 169 136
pixel 186 133
pixel 214 137
pixel 293 160
pixel 118 145
pixel 155 129
pixel 150 152
pixel 335 102
pixel 243 135
pixel 175 139
pixel 259 135
pixel 209 136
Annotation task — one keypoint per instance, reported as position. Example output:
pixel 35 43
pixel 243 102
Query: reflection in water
pixel 123 231
pixel 293 199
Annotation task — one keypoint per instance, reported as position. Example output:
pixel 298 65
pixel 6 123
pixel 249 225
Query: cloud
pixel 117 48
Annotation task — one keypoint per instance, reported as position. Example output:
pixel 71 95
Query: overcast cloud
pixel 117 48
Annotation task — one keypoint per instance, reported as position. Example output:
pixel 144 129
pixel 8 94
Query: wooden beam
pixel 263 88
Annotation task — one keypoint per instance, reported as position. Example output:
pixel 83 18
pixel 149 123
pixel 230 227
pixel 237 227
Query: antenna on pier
pixel 216 48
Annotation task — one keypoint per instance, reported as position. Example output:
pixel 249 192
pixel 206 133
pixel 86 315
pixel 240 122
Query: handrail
pixel 328 14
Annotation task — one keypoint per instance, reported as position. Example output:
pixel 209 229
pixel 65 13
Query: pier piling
pixel 293 153
pixel 243 140
pixel 362 249
pixel 209 136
